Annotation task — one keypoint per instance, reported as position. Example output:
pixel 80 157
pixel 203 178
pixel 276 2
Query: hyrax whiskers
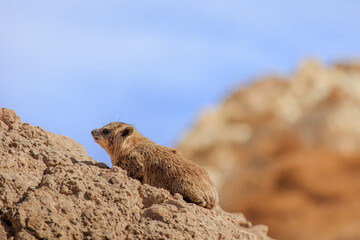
pixel 156 165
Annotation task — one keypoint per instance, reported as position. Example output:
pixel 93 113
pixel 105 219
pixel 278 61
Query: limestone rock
pixel 51 189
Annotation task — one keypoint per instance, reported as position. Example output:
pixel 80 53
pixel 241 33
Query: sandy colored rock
pixel 51 189
pixel 285 151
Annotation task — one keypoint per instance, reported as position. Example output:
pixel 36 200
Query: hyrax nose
pixel 93 132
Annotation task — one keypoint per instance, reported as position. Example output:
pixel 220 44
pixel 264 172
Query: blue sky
pixel 72 66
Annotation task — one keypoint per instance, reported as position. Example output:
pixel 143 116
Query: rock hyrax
pixel 156 165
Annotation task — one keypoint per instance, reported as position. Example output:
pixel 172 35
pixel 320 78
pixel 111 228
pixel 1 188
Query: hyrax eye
pixel 105 131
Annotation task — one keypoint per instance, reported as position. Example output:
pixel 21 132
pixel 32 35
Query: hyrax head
pixel 112 135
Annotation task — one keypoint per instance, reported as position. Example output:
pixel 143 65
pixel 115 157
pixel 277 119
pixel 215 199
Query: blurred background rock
pixel 285 151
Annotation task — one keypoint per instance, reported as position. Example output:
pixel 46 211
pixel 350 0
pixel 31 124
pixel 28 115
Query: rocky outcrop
pixel 51 189
pixel 285 151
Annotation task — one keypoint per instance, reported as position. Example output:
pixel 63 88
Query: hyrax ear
pixel 127 132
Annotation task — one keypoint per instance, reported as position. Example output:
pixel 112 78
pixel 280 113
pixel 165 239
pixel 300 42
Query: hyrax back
pixel 156 165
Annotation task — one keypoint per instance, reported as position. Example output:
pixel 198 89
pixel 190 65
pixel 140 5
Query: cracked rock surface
pixel 51 189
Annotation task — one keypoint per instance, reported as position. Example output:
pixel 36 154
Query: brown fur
pixel 156 165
